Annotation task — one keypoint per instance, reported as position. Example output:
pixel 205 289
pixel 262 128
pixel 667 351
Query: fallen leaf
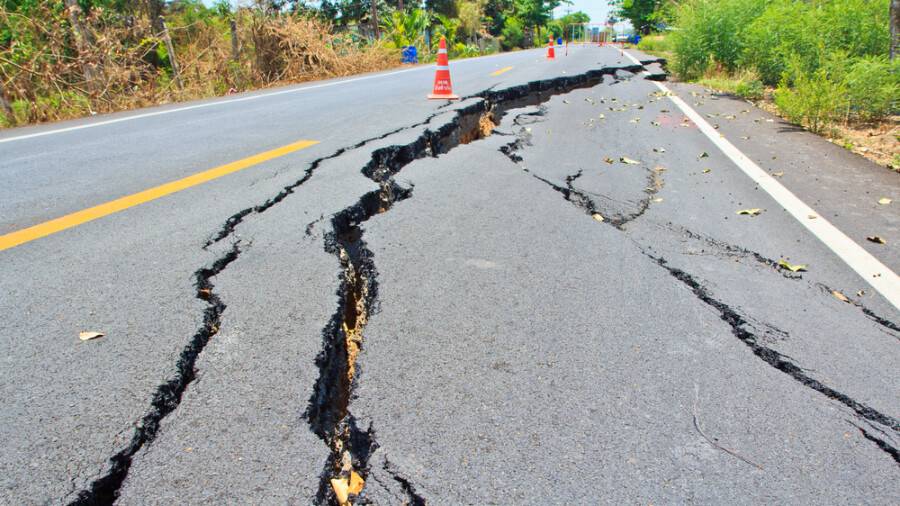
pixel 566 102
pixel 356 483
pixel 629 161
pixel 635 120
pixel 707 171
pixel 659 169
pixel 664 111
pixel 659 150
pixel 704 155
pixel 875 239
pixel 589 100
pixel 793 268
pixel 88 335
pixel 839 296
pixel 884 201
pixel 778 174
pixel 750 212
pixel 860 293
pixel 602 116
pixel 598 217
pixel 341 490
pixel 609 160
pixel 730 116
pixel 658 200
pixel 746 138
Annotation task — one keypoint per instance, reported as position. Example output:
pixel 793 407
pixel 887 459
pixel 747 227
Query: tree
pixel 895 27
pixel 639 12
pixel 535 14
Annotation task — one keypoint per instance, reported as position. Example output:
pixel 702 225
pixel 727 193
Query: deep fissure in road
pixel 328 411
pixel 105 490
pixel 327 417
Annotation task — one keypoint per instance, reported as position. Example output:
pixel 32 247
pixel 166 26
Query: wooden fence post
pixel 171 51
pixel 235 43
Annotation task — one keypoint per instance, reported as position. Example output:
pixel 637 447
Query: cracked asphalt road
pixel 460 303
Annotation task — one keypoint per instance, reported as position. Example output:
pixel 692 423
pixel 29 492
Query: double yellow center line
pixel 46 228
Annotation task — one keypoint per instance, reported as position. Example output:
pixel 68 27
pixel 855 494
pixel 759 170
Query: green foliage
pixel 812 99
pixel 512 35
pixel 406 28
pixel 655 44
pixel 639 12
pixel 873 86
pixel 744 84
pixel 711 32
pixel 828 57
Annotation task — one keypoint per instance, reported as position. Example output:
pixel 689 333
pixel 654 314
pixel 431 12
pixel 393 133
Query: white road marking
pixel 878 275
pixel 231 101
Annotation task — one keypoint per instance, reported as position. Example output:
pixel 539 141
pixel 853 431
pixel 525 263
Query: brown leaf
pixel 629 161
pixel 750 212
pixel 875 239
pixel 609 160
pixel 598 217
pixel 356 483
pixel 341 490
pixel 839 296
pixel 88 335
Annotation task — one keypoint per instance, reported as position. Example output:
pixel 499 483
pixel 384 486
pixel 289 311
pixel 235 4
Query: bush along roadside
pixel 823 64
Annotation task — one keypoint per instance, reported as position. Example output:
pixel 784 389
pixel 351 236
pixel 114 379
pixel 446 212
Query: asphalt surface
pixel 515 348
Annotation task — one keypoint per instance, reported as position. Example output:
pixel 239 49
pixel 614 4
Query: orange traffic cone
pixel 443 88
pixel 551 53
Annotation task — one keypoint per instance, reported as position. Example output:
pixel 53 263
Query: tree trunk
pixel 83 42
pixel 375 18
pixel 235 44
pixel 895 28
pixel 5 106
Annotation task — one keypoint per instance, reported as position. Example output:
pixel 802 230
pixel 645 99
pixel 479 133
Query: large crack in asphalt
pixel 105 489
pixel 327 411
pixel 736 321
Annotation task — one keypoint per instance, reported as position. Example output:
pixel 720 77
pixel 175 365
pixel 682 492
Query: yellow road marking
pixel 53 226
pixel 504 69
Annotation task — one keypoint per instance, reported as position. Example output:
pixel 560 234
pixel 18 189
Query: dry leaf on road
pixel 88 335
pixel 750 212
pixel 597 216
pixel 629 161
pixel 341 490
pixel 884 201
pixel 793 268
pixel 875 239
pixel 839 296
pixel 356 483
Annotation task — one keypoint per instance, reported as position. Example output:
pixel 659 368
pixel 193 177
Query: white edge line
pixel 878 275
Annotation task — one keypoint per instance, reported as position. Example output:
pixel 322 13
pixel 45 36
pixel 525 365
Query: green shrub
pixel 744 84
pixel 812 99
pixel 710 31
pixel 873 86
pixel 512 35
pixel 655 44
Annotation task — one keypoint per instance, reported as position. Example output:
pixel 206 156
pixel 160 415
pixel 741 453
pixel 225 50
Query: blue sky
pixel 596 9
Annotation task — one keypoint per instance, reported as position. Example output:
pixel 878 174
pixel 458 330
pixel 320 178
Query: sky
pixel 596 9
